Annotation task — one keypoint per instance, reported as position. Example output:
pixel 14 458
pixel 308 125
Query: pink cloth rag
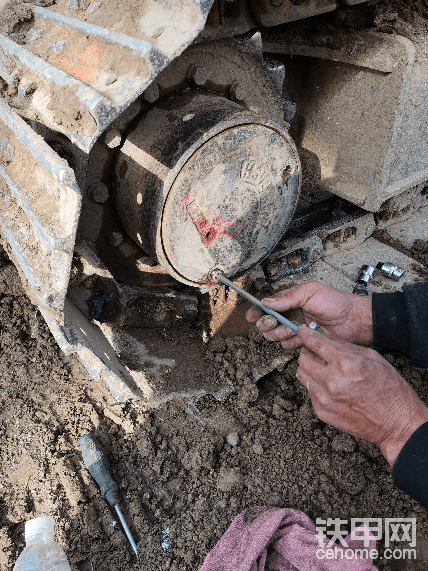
pixel 278 539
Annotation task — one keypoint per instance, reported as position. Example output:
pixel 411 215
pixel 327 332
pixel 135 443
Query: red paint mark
pixel 209 225
pixel 86 67
pixel 285 175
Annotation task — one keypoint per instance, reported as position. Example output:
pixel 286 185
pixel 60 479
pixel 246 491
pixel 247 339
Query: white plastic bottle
pixel 41 552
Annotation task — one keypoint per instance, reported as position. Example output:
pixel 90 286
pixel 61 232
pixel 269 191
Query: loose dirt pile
pixel 181 481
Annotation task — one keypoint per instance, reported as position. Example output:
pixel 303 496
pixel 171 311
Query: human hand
pixel 342 315
pixel 356 390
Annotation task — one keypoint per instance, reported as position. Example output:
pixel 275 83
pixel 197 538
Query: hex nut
pixel 98 192
pixel 115 238
pixel 112 138
pixel 237 91
pixel 152 93
pixel 198 75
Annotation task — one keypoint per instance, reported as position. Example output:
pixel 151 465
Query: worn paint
pixel 209 225
pixel 87 68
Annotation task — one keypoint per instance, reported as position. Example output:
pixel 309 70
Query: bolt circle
pixel 98 192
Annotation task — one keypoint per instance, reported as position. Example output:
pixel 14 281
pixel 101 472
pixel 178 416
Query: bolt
pixel 98 192
pixel 312 325
pixel 115 238
pixel 111 77
pixel 152 93
pixel 237 92
pixel 198 75
pixel 112 138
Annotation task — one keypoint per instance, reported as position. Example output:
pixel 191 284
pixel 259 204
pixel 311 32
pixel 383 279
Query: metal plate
pixel 231 202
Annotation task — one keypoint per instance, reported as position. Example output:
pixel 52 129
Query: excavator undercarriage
pixel 144 144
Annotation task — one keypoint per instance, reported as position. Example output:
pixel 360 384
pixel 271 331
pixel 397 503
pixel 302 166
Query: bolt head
pixel 237 92
pixel 152 93
pixel 198 75
pixel 98 192
pixel 115 238
pixel 112 138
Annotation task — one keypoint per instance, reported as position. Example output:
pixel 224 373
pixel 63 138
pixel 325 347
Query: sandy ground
pixel 181 482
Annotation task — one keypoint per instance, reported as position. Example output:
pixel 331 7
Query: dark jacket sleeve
pixel 410 472
pixel 400 322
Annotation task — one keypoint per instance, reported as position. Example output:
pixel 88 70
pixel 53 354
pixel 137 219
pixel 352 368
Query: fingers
pixel 279 333
pixel 317 394
pixel 294 297
pixel 308 381
pixel 322 346
pixel 253 314
pixel 293 342
pixel 304 378
pixel 268 325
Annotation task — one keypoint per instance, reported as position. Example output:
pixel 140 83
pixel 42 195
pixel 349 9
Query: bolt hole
pixel 294 259
pixel 286 172
pixel 349 232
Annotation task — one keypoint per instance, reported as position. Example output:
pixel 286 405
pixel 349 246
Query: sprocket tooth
pixel 275 70
pixel 255 46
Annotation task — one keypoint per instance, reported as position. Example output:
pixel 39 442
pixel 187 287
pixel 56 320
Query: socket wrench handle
pixel 95 460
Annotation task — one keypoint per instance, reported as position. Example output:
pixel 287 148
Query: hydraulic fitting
pixel 390 270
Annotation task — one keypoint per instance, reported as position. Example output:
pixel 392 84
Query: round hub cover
pixel 231 201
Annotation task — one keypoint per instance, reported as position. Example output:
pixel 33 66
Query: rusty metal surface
pixel 79 76
pixel 211 196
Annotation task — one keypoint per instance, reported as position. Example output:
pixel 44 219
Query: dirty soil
pixel 182 477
